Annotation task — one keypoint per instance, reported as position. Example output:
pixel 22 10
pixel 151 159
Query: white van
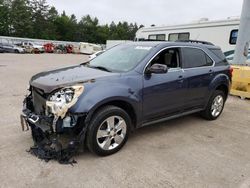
pixel 88 48
pixel 220 32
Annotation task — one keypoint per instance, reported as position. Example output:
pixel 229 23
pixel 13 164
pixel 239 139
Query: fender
pixel 98 94
pixel 219 79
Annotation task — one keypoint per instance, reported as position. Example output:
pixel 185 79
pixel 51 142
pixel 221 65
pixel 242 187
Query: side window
pixel 233 36
pixel 219 54
pixel 178 36
pixel 194 57
pixel 183 36
pixel 173 37
pixel 169 57
pixel 157 37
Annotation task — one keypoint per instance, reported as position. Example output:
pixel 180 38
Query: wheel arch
pixel 123 104
pixel 223 87
pixel 220 82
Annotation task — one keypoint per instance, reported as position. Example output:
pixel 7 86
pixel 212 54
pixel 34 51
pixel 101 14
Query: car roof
pixel 168 43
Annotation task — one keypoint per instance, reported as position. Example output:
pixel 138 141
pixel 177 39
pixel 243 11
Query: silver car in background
pixel 10 48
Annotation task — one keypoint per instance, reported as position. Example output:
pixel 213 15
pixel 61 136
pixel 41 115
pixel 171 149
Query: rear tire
pixel 215 106
pixel 108 130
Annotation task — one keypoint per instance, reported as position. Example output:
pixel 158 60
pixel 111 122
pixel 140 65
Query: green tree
pixel 4 17
pixel 88 28
pixel 20 19
pixel 35 18
pixel 66 27
pixel 102 34
pixel 51 28
pixel 40 11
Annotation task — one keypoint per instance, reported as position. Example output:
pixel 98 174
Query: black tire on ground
pixel 99 117
pixel 16 51
pixel 207 113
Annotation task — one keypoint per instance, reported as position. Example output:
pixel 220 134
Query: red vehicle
pixel 69 48
pixel 49 47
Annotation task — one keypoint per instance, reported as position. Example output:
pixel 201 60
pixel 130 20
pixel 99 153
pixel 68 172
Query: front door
pixel 164 94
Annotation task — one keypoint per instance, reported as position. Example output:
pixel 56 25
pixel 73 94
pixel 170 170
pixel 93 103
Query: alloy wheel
pixel 217 106
pixel 111 132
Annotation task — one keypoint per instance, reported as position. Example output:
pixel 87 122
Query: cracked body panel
pixel 63 107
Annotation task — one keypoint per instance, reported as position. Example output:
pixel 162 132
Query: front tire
pixel 215 106
pixel 108 130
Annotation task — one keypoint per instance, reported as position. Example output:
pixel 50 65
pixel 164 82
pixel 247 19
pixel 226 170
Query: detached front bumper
pixel 29 118
pixel 49 140
pixel 39 125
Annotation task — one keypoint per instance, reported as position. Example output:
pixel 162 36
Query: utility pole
pixel 243 40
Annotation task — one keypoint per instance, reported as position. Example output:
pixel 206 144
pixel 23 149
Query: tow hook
pixel 33 118
pixel 30 118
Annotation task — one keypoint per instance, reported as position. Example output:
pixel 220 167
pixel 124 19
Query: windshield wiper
pixel 100 68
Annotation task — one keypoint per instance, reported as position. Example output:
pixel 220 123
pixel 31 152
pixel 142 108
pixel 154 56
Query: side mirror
pixel 157 69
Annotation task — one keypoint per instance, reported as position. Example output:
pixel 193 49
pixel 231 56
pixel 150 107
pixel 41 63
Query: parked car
pixel 32 47
pixel 129 86
pixel 95 54
pixel 61 49
pixel 1 49
pixel 230 57
pixel 9 48
pixel 49 47
pixel 89 48
pixel 69 48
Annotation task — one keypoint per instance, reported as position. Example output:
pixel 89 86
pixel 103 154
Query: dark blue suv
pixel 129 86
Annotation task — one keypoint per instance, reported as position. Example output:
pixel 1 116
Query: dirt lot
pixel 186 152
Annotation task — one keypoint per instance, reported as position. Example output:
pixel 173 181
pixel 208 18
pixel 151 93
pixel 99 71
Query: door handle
pixel 211 72
pixel 180 79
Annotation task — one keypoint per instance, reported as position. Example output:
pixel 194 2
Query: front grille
pixel 39 101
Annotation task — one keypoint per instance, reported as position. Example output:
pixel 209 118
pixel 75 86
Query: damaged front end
pixel 57 133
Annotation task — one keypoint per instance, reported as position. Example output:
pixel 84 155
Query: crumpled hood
pixel 51 80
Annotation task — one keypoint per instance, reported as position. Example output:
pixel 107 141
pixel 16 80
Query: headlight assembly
pixel 60 101
pixel 64 95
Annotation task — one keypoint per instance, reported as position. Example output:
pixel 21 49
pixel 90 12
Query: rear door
pixel 198 68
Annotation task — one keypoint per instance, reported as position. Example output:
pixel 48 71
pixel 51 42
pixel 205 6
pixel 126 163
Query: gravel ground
pixel 186 152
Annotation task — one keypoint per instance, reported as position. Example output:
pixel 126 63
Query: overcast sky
pixel 147 12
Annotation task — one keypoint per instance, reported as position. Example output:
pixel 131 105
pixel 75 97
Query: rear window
pixel 194 57
pixel 218 53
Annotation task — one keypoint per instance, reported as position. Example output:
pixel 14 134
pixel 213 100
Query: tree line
pixel 36 19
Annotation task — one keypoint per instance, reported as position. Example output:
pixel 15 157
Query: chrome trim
pixel 183 69
pixel 33 119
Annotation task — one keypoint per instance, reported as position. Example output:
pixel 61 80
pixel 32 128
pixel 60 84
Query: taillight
pixel 231 71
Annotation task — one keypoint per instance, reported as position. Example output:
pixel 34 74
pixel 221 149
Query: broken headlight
pixel 60 101
pixel 62 96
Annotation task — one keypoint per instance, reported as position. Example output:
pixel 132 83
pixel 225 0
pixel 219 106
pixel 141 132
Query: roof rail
pixel 196 41
pixel 141 40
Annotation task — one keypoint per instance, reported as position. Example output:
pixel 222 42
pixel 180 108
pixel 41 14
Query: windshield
pixel 121 58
